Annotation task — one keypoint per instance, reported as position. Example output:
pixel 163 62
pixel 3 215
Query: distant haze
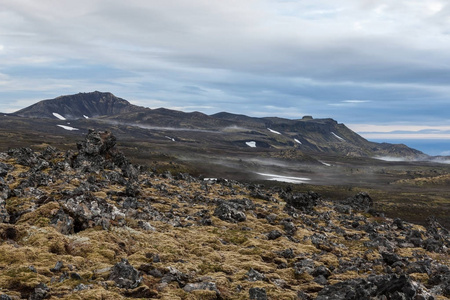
pixel 428 146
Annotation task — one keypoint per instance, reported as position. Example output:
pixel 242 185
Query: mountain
pixel 78 106
pixel 226 131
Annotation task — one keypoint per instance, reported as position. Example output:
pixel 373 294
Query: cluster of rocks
pixel 97 188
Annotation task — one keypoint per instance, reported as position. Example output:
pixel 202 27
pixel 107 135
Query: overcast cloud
pixel 357 61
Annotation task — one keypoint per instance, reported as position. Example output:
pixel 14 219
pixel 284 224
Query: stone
pixel 58 266
pixel 253 275
pixel 40 292
pixel 125 275
pixel 63 222
pixel 304 202
pixel 321 280
pixel 226 212
pixel 209 286
pixel 361 201
pixel 321 271
pixel 374 287
pixel 81 287
pixel 274 234
pixel 390 258
pixel 256 293
pixel 286 253
pixel 5 168
pixel 289 227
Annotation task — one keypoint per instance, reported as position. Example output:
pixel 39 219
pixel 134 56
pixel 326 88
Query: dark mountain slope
pixel 163 117
pixel 222 130
pixel 79 106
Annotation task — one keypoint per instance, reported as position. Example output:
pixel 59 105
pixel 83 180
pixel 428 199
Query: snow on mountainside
pixel 307 134
pixel 78 106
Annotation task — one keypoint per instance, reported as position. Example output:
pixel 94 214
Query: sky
pixel 381 67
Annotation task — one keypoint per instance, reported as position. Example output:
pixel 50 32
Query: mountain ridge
pixel 306 134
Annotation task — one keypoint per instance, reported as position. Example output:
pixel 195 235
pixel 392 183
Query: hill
pixel 88 224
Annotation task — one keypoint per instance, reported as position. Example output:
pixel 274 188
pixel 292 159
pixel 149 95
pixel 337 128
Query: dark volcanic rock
pixel 88 211
pixel 304 202
pixel 256 293
pixel 227 211
pixel 390 258
pixel 210 286
pixel 40 292
pixel 286 253
pixel 58 266
pixel 4 169
pixel 274 234
pixel 24 156
pixel 63 222
pixel 125 275
pixel 360 201
pixel 97 143
pixel 253 275
pixel 321 271
pixel 98 152
pixel 374 287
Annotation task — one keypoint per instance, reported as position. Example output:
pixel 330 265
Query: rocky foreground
pixel 87 224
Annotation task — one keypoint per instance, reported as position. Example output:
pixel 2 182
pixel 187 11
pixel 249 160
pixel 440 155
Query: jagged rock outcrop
pixel 98 152
pixel 125 275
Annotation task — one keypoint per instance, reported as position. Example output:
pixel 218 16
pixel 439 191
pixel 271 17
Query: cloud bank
pixel 357 61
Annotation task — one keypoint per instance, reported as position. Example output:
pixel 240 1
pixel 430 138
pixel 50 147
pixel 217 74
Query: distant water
pixel 427 146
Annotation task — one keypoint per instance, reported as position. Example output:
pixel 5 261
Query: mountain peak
pixel 77 106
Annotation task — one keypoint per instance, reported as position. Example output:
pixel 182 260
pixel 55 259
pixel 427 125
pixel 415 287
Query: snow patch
pixel 59 116
pixel 212 179
pixel 168 137
pixel 251 144
pixel 67 127
pixel 337 136
pixel 390 158
pixel 273 131
pixel 325 164
pixel 86 117
pixel 297 141
pixel 282 178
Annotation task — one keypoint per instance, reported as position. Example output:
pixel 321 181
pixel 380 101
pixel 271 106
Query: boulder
pixel 227 212
pixel 302 201
pixel 40 292
pixel 361 201
pixel 125 275
pixel 256 293
pixel 253 275
pixel 209 286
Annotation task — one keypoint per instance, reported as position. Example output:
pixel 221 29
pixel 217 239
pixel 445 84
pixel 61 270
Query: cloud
pixel 401 132
pixel 349 103
pixel 356 101
pixel 288 58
